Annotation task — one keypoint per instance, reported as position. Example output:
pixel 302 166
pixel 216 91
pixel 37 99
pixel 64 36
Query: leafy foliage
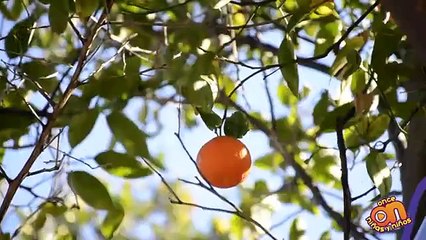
pixel 97 84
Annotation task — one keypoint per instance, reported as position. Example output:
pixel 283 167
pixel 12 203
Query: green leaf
pixel 386 42
pixel 37 69
pixel 201 94
pixel 237 227
pixel 348 60
pixel 346 65
pixel 42 73
pixel 58 15
pixel 211 119
pixel 260 189
pixel 14 12
pixel 5 236
pixel 81 125
pixel 17 40
pixel 379 172
pixel 321 108
pixel 286 96
pixel 388 76
pixel 54 209
pixel 14 118
pixel 112 220
pixel 90 189
pixel 121 164
pixel 287 60
pixel 269 161
pixel 358 81
pixel 74 106
pixel 378 126
pixel 296 18
pixel 321 166
pixel 325 236
pixel 14 122
pixel 296 230
pixel 236 125
pixel 2 151
pixel 328 124
pixel 119 81
pixel 85 8
pixel 366 130
pixel 128 133
pixel 39 222
pixel 326 36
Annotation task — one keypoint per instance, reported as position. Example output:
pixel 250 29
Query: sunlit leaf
pixel 378 126
pixel 112 220
pixel 358 81
pixel 322 165
pixel 296 230
pixel 367 129
pixel 348 59
pixel 286 96
pixel 379 172
pixel 237 227
pixel 296 18
pixel 201 93
pixel 2 151
pixel 221 4
pixel 269 162
pixel 325 236
pixel 326 36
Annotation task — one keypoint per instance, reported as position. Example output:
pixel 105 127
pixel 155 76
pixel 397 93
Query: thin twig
pixel 211 189
pixel 74 28
pixel 4 175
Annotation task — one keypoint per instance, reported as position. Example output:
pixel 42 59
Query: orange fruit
pixel 224 161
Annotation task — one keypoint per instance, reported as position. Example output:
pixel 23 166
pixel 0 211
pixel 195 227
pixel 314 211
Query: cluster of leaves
pixel 194 57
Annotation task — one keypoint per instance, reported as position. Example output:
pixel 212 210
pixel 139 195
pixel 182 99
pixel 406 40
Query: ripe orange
pixel 224 161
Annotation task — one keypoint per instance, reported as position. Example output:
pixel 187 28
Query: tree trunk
pixel 413 168
pixel 410 15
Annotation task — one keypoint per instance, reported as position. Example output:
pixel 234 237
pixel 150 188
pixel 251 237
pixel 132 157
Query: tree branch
pixel 300 171
pixel 344 179
pixel 44 136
